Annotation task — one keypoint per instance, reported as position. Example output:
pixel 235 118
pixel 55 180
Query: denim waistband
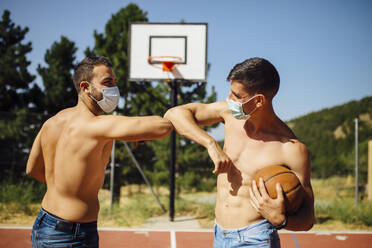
pixel 256 227
pixel 53 220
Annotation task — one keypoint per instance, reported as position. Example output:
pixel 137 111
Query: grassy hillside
pixel 329 135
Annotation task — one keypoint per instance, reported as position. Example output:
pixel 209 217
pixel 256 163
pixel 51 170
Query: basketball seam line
pixel 279 173
pixel 283 172
pixel 298 185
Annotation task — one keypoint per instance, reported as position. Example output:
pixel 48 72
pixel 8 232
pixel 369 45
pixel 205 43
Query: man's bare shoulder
pixel 294 146
pixel 296 153
pixel 57 118
pixel 69 118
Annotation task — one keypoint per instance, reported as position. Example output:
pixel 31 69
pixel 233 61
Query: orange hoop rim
pixel 168 62
pixel 164 59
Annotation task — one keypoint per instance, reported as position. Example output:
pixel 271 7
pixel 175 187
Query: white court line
pixel 173 239
pixel 15 227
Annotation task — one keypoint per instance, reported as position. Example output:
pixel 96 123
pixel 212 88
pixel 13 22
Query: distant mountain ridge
pixel 330 137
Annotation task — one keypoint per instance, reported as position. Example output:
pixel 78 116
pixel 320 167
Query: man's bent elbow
pixel 308 225
pixel 30 169
pixel 174 112
pixel 166 128
pixel 28 172
pixel 163 128
pixel 169 114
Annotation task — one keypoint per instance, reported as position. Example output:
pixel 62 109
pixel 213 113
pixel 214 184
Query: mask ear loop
pixel 91 96
pixel 259 104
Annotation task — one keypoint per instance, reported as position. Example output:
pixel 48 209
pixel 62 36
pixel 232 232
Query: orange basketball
pixel 292 188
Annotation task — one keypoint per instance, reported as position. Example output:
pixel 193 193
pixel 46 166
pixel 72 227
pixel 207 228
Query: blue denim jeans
pixel 51 231
pixel 260 234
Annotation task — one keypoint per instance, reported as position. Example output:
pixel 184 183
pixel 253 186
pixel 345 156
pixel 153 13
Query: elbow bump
pixel 167 129
pixel 173 111
pixel 169 113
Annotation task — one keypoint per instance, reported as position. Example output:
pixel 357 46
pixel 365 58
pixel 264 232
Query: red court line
pixel 141 238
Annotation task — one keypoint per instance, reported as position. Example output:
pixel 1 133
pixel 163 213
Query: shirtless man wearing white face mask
pixel 254 138
pixel 72 150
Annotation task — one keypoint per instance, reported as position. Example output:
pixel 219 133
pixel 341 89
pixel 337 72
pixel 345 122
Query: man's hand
pixel 271 209
pixel 136 143
pixel 222 163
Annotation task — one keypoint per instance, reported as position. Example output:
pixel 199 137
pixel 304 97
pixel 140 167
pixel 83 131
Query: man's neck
pixel 262 121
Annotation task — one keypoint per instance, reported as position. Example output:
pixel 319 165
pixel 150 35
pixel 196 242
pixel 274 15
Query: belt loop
pixel 77 229
pixel 41 218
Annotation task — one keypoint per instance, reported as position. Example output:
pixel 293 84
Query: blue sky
pixel 321 48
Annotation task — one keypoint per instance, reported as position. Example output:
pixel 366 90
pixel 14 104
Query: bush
pixel 22 194
pixel 344 210
pixel 365 214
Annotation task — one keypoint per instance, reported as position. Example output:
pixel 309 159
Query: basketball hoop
pixel 168 62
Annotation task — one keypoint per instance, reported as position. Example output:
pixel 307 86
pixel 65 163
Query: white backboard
pixel 188 41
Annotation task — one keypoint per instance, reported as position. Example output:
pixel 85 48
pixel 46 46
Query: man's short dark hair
pixel 257 75
pixel 84 70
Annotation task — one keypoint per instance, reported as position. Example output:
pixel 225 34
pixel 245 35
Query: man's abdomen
pixel 234 211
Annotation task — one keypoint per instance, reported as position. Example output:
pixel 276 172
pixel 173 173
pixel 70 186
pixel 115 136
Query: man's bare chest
pixel 249 156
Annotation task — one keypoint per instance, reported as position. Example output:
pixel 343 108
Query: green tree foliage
pixel 60 92
pixel 14 77
pixel 19 99
pixel 150 98
pixel 113 43
pixel 329 135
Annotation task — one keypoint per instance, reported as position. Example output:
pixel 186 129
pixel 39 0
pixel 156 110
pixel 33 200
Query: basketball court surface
pixel 19 237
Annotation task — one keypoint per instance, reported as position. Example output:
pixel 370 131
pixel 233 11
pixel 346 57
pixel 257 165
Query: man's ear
pixel 260 100
pixel 84 86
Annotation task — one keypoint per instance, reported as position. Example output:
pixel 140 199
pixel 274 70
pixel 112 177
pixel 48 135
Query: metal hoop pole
pixel 173 154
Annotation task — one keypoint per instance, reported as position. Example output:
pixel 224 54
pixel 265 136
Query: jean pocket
pixel 253 243
pixel 258 239
pixel 46 241
pixel 45 245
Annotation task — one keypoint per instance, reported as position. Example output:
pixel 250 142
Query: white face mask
pixel 237 111
pixel 110 99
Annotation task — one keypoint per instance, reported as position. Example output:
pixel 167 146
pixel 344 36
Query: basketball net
pixel 168 64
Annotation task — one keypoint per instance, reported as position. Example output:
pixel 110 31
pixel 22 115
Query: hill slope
pixel 330 134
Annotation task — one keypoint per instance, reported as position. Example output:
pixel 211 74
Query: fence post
pixel 356 165
pixel 369 187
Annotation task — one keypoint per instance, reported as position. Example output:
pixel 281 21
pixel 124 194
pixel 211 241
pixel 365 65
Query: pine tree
pixel 19 99
pixel 60 92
